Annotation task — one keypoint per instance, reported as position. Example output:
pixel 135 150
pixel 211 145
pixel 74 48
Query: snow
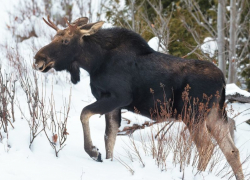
pixel 19 162
pixel 154 44
pixel 209 46
pixel 232 89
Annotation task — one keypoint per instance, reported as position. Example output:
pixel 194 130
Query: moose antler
pixel 51 24
pixel 72 28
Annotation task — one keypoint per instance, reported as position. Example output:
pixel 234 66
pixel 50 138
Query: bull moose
pixel 122 69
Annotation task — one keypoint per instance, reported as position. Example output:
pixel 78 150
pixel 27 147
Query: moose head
pixel 62 52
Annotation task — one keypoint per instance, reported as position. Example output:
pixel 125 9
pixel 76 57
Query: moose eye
pixel 65 41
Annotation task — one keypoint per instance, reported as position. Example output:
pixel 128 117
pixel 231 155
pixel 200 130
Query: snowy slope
pixel 19 162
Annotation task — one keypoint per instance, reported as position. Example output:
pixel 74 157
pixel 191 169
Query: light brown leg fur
pixel 204 145
pixel 112 125
pixel 220 130
pixel 88 146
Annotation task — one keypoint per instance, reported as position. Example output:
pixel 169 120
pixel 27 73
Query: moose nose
pixel 38 66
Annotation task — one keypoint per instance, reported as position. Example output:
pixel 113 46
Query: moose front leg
pixel 113 120
pixel 88 146
pixel 102 106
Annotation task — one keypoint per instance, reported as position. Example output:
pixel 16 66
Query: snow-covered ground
pixel 19 162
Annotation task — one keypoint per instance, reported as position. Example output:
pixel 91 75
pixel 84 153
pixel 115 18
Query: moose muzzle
pixel 41 66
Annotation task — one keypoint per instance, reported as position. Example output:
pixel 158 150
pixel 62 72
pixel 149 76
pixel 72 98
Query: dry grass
pixel 172 141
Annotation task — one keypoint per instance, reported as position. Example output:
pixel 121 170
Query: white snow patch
pixel 209 47
pixel 154 44
pixel 232 89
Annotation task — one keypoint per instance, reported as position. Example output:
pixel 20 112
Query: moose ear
pixel 91 28
pixel 80 21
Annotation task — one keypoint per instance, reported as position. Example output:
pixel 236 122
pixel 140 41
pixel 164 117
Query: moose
pixel 122 69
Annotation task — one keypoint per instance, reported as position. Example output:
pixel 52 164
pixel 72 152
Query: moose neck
pixel 99 47
pixel 91 57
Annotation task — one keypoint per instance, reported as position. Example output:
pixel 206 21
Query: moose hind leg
pixel 220 131
pixel 113 120
pixel 204 145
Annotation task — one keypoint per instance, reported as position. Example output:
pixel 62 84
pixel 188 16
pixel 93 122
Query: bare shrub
pixel 7 97
pixel 55 127
pixel 43 116
pixel 31 90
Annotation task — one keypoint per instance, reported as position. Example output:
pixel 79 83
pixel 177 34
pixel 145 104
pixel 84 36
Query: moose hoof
pixel 95 154
pixel 98 158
